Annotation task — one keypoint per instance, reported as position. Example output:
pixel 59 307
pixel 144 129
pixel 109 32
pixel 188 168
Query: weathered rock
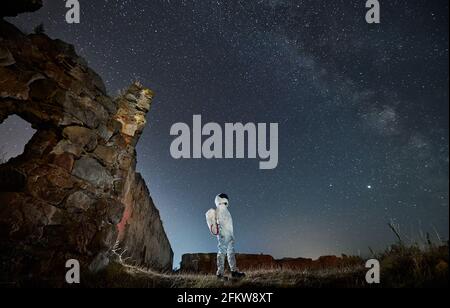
pixel 199 263
pixel 75 186
pixel 106 132
pixel 42 143
pixel 132 110
pixel 83 110
pixel 65 161
pixel 108 104
pixel 105 237
pixel 78 201
pixel 108 155
pixel 100 262
pixel 92 171
pixel 65 146
pixel 26 228
pixel 296 264
pixel 6 58
pixel 109 210
pixel 49 184
pixel 141 223
pixel 16 86
pixel 82 136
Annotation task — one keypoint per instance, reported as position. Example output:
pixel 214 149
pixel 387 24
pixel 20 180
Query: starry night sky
pixel 362 109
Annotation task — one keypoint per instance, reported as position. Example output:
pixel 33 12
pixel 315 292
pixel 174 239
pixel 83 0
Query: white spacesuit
pixel 220 224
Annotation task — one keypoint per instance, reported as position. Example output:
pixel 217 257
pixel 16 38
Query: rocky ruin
pixel 74 193
pixel 206 263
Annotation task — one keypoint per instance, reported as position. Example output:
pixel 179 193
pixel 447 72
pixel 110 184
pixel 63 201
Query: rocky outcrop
pixel 142 239
pixel 65 196
pixel 206 263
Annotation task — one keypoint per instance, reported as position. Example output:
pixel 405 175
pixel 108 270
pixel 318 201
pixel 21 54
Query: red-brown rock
pixel 65 161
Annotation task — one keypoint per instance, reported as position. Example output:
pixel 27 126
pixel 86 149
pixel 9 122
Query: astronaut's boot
pixel 237 275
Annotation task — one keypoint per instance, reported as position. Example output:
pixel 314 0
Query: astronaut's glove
pixel 215 229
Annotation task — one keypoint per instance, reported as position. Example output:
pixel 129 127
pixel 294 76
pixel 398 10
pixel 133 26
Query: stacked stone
pixel 65 195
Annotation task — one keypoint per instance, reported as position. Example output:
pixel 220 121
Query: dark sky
pixel 362 109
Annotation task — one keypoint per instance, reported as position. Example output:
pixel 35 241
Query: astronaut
pixel 220 224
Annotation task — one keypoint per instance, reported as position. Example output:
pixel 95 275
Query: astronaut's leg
pixel 232 260
pixel 231 256
pixel 222 252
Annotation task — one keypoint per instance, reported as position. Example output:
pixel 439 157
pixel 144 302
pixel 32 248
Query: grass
pixel 414 267
pixel 119 275
pixel 402 266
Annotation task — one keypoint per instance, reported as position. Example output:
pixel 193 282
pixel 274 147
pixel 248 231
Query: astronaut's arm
pixel 212 221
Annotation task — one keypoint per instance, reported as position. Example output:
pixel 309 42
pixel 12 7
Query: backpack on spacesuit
pixel 211 220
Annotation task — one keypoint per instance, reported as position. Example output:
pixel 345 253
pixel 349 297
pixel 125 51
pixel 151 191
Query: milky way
pixel 362 112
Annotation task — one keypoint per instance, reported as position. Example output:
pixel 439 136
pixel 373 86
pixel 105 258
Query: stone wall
pixel 65 196
pixel 206 263
pixel 142 239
